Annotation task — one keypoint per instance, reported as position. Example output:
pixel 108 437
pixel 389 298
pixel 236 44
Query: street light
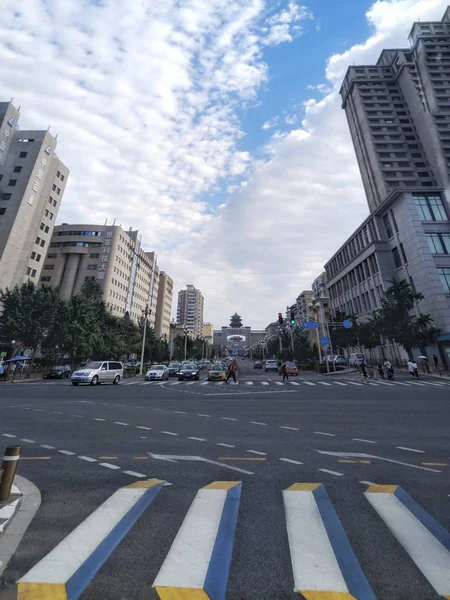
pixel 314 308
pixel 146 312
pixel 186 331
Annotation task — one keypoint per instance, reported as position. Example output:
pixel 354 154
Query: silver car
pixel 98 372
pixel 157 373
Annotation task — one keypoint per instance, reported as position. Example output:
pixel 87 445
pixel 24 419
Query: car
pixel 291 368
pixel 271 365
pixel 60 372
pixel 174 367
pixel 99 371
pixel 339 359
pixel 356 358
pixel 257 364
pixel 189 371
pixel 157 372
pixel 217 372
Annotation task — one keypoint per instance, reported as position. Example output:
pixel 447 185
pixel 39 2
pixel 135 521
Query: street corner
pixel 16 515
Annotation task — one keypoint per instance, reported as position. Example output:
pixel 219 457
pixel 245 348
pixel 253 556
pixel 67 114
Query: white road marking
pixel 197 439
pixel 134 474
pixel 175 383
pixel 291 428
pixel 180 412
pixel 27 440
pixel 331 472
pixel 289 460
pixel 177 457
pixel 170 433
pixel 109 466
pixel 8 435
pixel 142 427
pixel 410 449
pixel 361 440
pixel 417 383
pixel 79 416
pixel 402 383
pixel 354 383
pixel 264 383
pixel 249 383
pixel 226 445
pixel 97 419
pixel 257 423
pixel 57 412
pixel 386 383
pixel 228 419
pixel 366 482
pixel 278 382
pixel 390 460
pixel 190 382
pixel 47 447
pixel 202 415
pixel 308 383
pixel 87 458
pixel 323 433
pixel 39 410
pixel 294 383
pixel 120 423
pixel 67 452
pixel 324 383
pixel 256 452
pixel 205 383
pixel 375 384
pixel 220 382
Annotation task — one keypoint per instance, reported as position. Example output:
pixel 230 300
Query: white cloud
pixel 271 123
pixel 285 25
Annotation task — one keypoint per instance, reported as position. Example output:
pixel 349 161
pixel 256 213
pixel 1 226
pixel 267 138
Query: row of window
pixel 83 232
pixel 59 175
pixel 39 242
pixel 75 244
pixel 56 189
pixel 35 256
pixel 430 208
pixel 31 272
pixel 52 201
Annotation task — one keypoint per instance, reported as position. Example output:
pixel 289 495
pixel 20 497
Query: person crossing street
pixel 231 371
pixel 283 371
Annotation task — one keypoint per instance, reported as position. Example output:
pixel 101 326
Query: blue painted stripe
pixel 348 563
pixel 427 520
pixel 84 575
pixel 219 567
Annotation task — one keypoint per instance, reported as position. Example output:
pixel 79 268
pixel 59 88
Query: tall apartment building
pixel 190 309
pixel 32 184
pixel 113 257
pixel 208 332
pixel 398 112
pixel 164 306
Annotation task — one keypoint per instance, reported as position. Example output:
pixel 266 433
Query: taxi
pixel 217 372
pixel 291 368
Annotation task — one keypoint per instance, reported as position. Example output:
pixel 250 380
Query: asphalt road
pixel 267 435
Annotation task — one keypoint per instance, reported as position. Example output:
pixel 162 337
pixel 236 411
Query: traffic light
pixel 292 317
pixel 280 318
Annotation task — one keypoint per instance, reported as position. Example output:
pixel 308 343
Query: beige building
pixel 208 332
pixel 190 309
pixel 113 257
pixel 32 184
pixel 164 306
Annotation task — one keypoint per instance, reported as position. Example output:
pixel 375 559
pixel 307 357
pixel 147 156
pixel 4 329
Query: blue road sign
pixel 347 324
pixel 324 341
pixel 310 324
pixel 235 352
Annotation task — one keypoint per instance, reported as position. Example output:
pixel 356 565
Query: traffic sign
pixel 347 324
pixel 3 354
pixel 324 341
pixel 235 352
pixel 310 324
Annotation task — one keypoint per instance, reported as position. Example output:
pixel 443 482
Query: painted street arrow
pixel 175 457
pixel 362 455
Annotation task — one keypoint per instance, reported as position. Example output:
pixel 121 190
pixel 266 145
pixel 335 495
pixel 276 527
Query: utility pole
pixel 185 343
pixel 147 311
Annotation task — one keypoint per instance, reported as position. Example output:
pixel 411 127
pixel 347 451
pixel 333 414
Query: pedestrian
pixel 12 372
pixel 2 371
pixel 416 370
pixel 231 371
pixel 363 368
pixel 412 368
pixel 436 362
pixel 283 370
pixel 387 364
pixel 380 370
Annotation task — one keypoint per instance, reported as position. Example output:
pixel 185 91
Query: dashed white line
pixel 47 447
pixel 120 423
pixel 57 412
pixel 324 383
pixel 25 408
pixel 197 439
pixel 323 433
pixel 67 452
pixel 291 428
pixel 134 474
pixel 365 441
pixel 294 383
pixel 289 460
pixel 256 452
pixel 79 416
pixel 331 472
pixel 180 412
pixel 87 458
pixel 142 427
pixel 228 419
pixel 170 433
pixel 339 383
pixel 410 449
pixel 366 482
pixel 96 419
pixel 257 423
pixel 27 440
pixel 10 435
pixel 39 410
pixel 308 383
pixel 109 466
pixel 202 415
pixel 226 445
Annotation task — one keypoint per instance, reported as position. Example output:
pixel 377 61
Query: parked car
pixel 157 372
pixel 217 372
pixel 271 365
pixel 174 367
pixel 356 359
pixel 340 359
pixel 189 371
pixel 60 372
pixel 98 372
pixel 257 364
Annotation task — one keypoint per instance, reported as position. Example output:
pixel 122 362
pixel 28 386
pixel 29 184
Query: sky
pixel 215 128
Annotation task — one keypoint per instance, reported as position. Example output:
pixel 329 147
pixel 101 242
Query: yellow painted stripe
pixel 35 458
pixel 347 462
pixel 221 485
pixel 173 593
pixel 140 458
pixel 144 484
pixel 381 489
pixel 240 458
pixel 41 591
pixel 108 457
pixel 303 487
pixel 314 595
pixel 436 465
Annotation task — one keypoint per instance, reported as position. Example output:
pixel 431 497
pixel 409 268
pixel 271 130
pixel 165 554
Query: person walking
pixel 12 372
pixel 231 372
pixel 436 362
pixel 283 370
pixel 416 370
pixel 363 368
pixel 412 369
pixel 380 370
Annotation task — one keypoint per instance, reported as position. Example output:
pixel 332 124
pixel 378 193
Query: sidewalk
pixel 15 517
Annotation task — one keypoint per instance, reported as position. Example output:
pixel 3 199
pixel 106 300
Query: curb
pixel 344 372
pixel 19 522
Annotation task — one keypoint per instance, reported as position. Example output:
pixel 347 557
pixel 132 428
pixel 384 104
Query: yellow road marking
pixel 238 458
pixel 41 591
pixel 35 458
pixel 144 484
pixel 355 462
pixel 435 464
pixel 140 458
pixel 174 593
pixel 303 487
pixel 381 489
pixel 108 457
pixel 314 595
pixel 221 485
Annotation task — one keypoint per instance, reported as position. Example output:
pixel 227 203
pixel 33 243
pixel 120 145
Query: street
pixel 81 444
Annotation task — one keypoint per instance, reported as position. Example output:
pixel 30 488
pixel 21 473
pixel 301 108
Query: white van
pixel 97 372
pixel 356 359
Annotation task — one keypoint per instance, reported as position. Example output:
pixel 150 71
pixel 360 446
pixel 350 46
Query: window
pixel 89 278
pixel 55 245
pixel 42 244
pixel 23 154
pixel 17 169
pixel 58 190
pixel 430 208
pixel 2 210
pixel 6 197
pixel 58 174
pixel 54 187
pixel 54 202
pixel 51 255
pixel 33 255
pixel 393 220
pixel 387 226
pixel 45 278
pixel 62 177
pixel 47 229
pixel 41 226
pixel 439 242
pixel 12 182
pixel 94 255
pixel 49 267
pixel 37 240
pixel 33 273
pixel 92 267
pixel 403 253
pixel 51 216
pixel 397 259
pixel 27 271
pixel 444 274
pixel 46 213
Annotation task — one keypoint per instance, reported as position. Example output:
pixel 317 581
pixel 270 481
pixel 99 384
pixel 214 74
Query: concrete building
pixel 399 117
pixel 164 306
pixel 113 257
pixel 319 286
pixel 208 332
pixel 303 299
pixel 190 309
pixel 32 184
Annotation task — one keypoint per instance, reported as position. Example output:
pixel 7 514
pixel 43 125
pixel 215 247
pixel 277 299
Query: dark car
pixel 174 367
pixel 189 371
pixel 257 364
pixel 62 372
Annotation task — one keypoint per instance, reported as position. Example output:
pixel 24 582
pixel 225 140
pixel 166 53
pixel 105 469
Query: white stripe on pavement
pixel 289 460
pixel 324 383
pixel 249 383
pixel 264 383
pixel 308 383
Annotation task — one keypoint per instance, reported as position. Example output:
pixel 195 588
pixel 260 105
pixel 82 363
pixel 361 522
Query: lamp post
pixel 314 308
pixel 146 312
pixel 186 331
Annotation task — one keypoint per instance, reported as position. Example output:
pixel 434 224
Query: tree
pixel 342 337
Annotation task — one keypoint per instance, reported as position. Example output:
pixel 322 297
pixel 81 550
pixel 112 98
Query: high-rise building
pixel 190 309
pixel 128 275
pixel 398 112
pixel 32 184
pixel 164 306
pixel 208 332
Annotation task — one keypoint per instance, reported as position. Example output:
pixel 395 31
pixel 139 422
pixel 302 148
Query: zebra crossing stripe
pixel 423 538
pixel 308 383
pixel 249 383
pixel 198 562
pixel 323 562
pixel 264 383
pixel 68 569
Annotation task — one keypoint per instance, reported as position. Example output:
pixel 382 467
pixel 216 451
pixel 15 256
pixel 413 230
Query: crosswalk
pixel 323 562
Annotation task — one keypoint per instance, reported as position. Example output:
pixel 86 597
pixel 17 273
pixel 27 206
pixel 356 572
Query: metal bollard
pixel 9 468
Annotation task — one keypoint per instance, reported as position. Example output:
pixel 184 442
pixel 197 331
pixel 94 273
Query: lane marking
pixel 180 412
pixel 410 449
pixel 323 433
pixel 241 458
pixel 27 440
pixel 308 383
pixel 140 457
pixel 264 383
pixel 362 440
pixel 390 460
pixel 257 452
pixel 8 435
pixel 108 457
pixel 202 415
pixel 97 419
pixel 331 472
pixel 249 383
pixel 386 383
pixel 57 412
pixel 291 428
pixel 142 427
pixel 228 419
pixel 35 458
pixel 47 447
pixel 294 383
pixel 134 474
pixel 177 457
pixel 257 423
pixel 87 458
pixel 198 562
pixel 109 466
pixel 226 445
pixel 67 452
pixel 289 460
pixel 169 433
pixel 79 416
pixel 324 383
pixel 355 383
pixel 197 439
pixel 340 383
pixel 68 569
pixel 435 464
pixel 120 423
